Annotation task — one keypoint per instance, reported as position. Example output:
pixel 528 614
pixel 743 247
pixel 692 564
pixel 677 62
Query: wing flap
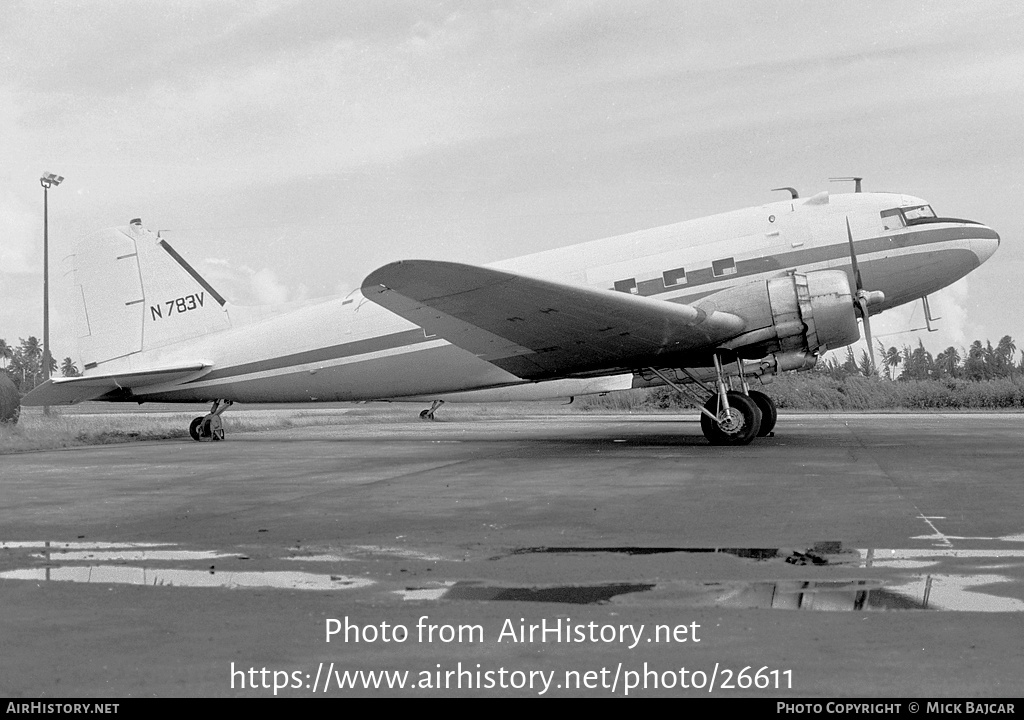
pixel 537 328
pixel 67 391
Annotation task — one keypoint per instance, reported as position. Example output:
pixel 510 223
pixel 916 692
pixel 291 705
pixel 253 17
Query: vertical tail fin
pixel 137 293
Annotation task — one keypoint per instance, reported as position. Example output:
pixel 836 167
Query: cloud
pixel 950 304
pixel 243 285
pixel 268 289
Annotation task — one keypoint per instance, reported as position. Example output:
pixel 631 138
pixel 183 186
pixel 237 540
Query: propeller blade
pixel 853 257
pixel 863 303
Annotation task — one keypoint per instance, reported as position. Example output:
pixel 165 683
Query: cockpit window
pixel 900 217
pixel 917 212
pixel 893 219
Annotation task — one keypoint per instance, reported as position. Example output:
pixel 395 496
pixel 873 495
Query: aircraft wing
pixel 536 328
pixel 67 391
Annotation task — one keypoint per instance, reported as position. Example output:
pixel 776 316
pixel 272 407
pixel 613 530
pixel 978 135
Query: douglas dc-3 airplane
pixel 702 306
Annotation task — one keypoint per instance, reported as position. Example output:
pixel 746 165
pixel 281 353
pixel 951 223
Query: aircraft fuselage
pixel 349 348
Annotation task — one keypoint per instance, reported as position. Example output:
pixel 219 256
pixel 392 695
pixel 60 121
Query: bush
pixel 814 391
pixel 10 400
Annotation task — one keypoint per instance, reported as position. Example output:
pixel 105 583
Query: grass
pixel 100 425
pixel 816 392
pixel 104 423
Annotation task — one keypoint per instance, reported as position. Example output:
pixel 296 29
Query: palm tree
pixel 866 367
pixel 6 352
pixel 918 363
pixel 850 364
pixel 1006 349
pixel 991 360
pixel 68 368
pixel 974 363
pixel 31 347
pixel 948 362
pixel 891 359
pixel 28 357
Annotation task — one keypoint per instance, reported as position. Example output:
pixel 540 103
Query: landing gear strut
pixel 429 413
pixel 765 404
pixel 210 427
pixel 729 417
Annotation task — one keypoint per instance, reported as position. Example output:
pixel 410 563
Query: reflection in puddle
pixel 941 592
pixel 43 544
pixel 175 577
pixel 435 592
pixel 575 594
pixel 920 558
pixel 788 595
pixel 134 555
pixel 958 592
pixel 967 581
pixel 397 552
pixel 824 553
pixel 319 558
pixel 108 552
pixel 935 591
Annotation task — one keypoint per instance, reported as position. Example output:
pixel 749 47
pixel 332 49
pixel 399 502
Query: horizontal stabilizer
pixel 67 391
pixel 537 328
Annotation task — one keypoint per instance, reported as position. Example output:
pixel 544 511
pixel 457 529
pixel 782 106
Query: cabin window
pixel 725 266
pixel 626 286
pixel 671 278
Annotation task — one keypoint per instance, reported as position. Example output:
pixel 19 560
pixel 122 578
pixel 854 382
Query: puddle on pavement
pixel 100 552
pixel 574 594
pixel 108 552
pixel 971 590
pixel 936 591
pixel 176 577
pixel 46 544
pixel 933 592
pixel 824 553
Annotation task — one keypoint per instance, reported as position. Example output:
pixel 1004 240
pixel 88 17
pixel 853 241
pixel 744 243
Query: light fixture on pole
pixel 48 180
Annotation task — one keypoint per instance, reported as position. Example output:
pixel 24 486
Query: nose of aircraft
pixel 986 245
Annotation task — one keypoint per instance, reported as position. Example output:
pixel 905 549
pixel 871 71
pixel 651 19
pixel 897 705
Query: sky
pixel 288 148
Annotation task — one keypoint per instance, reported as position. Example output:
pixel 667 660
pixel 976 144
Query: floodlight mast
pixel 48 180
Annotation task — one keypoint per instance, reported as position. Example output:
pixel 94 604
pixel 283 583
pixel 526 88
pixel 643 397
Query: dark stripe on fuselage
pixel 810 256
pixel 771 263
pixel 326 354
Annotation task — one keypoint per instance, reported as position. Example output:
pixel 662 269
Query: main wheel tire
pixel 737 427
pixel 769 413
pixel 193 429
pixel 426 415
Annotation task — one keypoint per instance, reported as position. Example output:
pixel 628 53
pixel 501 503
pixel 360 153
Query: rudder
pixel 136 293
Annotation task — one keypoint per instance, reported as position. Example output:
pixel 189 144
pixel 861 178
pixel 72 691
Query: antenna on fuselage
pixel 855 180
pixel 792 191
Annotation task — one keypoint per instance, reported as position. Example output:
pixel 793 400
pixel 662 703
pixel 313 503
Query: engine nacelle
pixel 798 313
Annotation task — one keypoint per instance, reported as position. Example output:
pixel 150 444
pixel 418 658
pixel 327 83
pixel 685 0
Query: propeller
pixel 863 297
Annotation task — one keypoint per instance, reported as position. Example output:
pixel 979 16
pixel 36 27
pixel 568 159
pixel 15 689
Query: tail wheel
pixel 736 426
pixel 769 413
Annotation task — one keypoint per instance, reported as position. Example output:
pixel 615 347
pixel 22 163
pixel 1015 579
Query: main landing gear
pixel 429 413
pixel 209 427
pixel 729 417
